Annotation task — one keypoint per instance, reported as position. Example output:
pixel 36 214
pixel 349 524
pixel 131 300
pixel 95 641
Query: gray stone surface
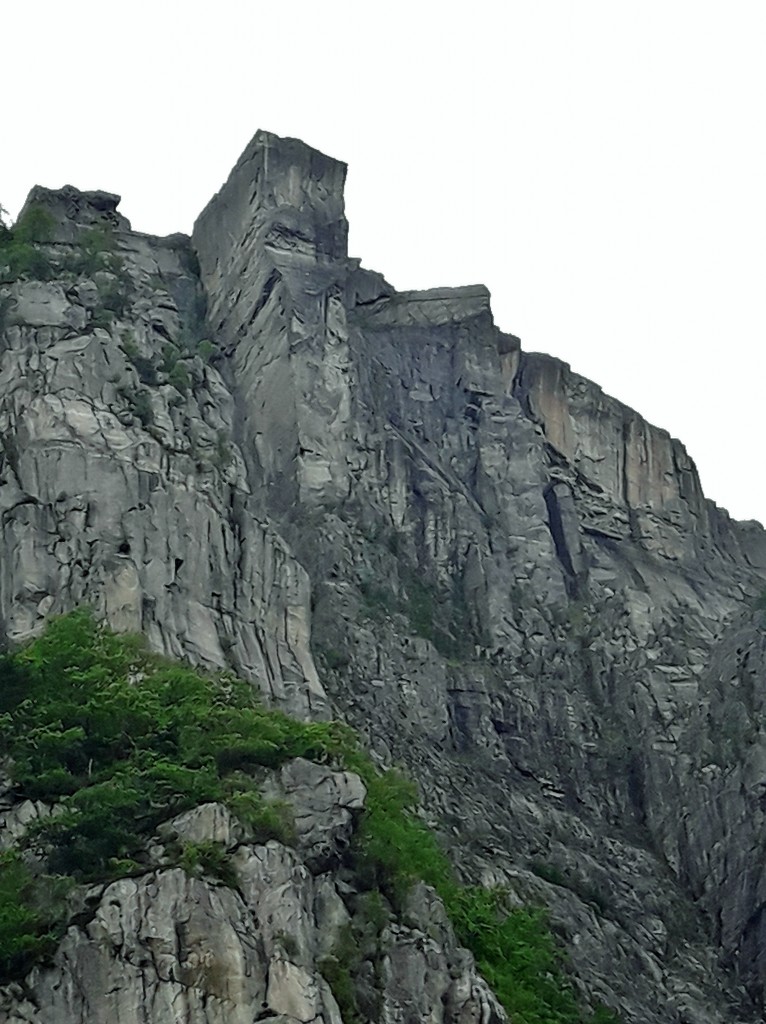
pixel 119 489
pixel 164 947
pixel 325 805
pixel 378 505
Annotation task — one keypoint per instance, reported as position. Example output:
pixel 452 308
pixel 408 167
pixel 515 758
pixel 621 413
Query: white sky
pixel 599 164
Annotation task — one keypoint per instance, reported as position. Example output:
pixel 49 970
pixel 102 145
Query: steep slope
pixel 508 581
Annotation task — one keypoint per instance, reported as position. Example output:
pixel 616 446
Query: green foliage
pixel 224 455
pixel 760 602
pixel 20 255
pixel 170 355
pixel 379 601
pixel 337 969
pixel 114 296
pixel 194 330
pixel 141 405
pixel 514 949
pixel 265 819
pixel 31 912
pixel 126 741
pixel 6 303
pixel 392 846
pixel 517 955
pixel 208 858
pixel 176 369
pixel 129 346
pixel 206 350
pixel 441 618
pixel 35 226
pixel 179 378
pixel 96 252
pixel 432 614
pixel 147 371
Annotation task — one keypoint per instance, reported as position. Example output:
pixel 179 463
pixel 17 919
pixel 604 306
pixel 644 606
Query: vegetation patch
pixel 123 740
pixel 95 252
pixel 431 614
pixel 32 915
pixel 208 858
pixel 20 252
pixel 338 970
pixel 6 304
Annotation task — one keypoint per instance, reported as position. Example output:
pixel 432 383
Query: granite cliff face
pixel 375 505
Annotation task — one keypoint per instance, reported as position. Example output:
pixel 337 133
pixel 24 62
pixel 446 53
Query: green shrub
pixel 194 330
pixel 224 453
pixel 515 949
pixel 20 255
pixel 338 970
pixel 6 304
pixel 179 378
pixel 126 741
pixel 96 247
pixel 115 296
pixel 264 819
pixel 141 405
pixel 432 614
pixel 208 858
pixel 34 226
pixel 31 915
pixel 206 350
pixel 379 601
pixel 170 355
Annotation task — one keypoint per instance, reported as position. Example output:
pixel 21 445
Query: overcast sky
pixel 599 164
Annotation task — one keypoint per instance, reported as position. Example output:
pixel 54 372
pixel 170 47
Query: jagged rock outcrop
pixel 168 946
pixel 120 483
pixel 508 581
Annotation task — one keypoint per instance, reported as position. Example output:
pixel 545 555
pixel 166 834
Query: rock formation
pixel 374 505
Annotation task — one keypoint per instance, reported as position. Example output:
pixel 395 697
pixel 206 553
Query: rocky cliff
pixel 374 505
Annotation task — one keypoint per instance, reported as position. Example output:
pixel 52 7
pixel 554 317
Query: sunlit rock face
pixel 375 504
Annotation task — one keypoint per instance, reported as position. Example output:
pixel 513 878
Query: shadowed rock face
pixel 376 504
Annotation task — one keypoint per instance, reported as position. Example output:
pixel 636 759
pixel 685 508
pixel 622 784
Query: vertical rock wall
pixel 508 581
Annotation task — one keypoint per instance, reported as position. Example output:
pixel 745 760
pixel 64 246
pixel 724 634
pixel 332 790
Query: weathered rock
pixel 165 946
pixel 212 823
pixel 72 210
pixel 118 488
pixel 325 804
pixel 510 583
